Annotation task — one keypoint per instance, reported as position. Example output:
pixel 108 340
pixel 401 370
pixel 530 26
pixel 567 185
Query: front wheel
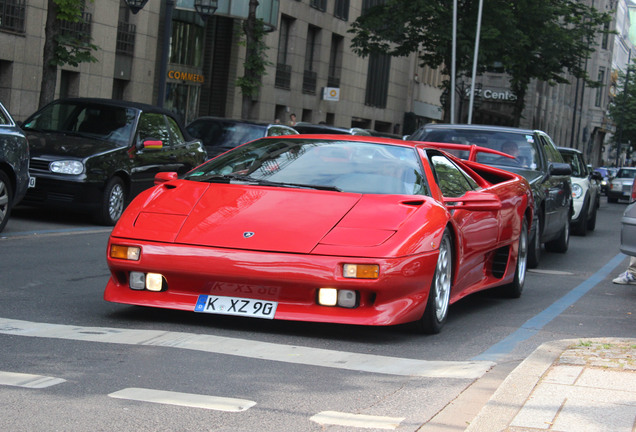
pixel 514 289
pixel 6 199
pixel 562 242
pixel 113 202
pixel 534 246
pixel 591 222
pixel 436 310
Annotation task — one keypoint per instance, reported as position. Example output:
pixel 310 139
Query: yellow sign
pixel 186 76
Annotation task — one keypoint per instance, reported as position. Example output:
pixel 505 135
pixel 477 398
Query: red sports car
pixel 325 228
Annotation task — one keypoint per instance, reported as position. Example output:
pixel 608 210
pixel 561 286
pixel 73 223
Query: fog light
pixel 327 296
pixel 361 271
pixel 130 253
pixel 137 280
pixel 154 282
pixel 347 299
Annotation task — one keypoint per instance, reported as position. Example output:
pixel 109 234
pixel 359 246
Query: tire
pixel 534 247
pixel 515 288
pixel 581 225
pixel 612 199
pixel 438 301
pixel 6 199
pixel 113 202
pixel 562 242
pixel 591 222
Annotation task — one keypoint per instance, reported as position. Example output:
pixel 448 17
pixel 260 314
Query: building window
pixel 606 33
pixel 186 44
pixel 318 4
pixel 335 61
pixel 310 76
pixel 378 80
pixel 80 30
pixel 600 90
pixel 283 70
pixel 341 9
pixel 125 32
pixel 12 13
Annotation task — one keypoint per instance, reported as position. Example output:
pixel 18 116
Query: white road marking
pixel 252 349
pixel 550 272
pixel 184 399
pixel 27 380
pixel 356 420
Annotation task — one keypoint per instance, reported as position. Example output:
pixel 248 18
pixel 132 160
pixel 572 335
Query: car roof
pixel 488 128
pixel 327 129
pixel 236 121
pixel 118 103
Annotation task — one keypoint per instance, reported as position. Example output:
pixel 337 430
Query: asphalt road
pixel 71 361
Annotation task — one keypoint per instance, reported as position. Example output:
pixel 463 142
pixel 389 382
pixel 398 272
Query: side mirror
pixel 164 177
pixel 474 201
pixel 558 168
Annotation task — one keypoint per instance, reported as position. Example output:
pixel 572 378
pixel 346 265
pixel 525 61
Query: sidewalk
pixel 573 385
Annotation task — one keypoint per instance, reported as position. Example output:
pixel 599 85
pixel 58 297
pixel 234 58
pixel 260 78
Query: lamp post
pixel 205 8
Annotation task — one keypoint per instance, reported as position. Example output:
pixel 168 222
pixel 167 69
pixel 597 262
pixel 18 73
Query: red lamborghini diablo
pixel 325 228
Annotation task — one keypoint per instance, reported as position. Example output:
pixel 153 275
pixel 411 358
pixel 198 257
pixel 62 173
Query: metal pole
pixel 167 33
pixel 476 54
pixel 453 64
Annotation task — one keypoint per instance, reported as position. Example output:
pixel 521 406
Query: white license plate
pixel 236 306
pixel 32 182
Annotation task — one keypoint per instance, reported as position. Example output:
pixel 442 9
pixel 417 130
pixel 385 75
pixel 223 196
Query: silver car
pixel 628 225
pixel 621 185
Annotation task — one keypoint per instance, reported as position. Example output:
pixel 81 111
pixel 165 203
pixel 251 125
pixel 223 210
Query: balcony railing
pixel 283 76
pixel 12 13
pixel 126 38
pixel 309 82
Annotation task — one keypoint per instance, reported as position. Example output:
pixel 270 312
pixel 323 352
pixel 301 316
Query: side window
pixel 451 179
pixel 551 152
pixel 153 126
pixel 175 132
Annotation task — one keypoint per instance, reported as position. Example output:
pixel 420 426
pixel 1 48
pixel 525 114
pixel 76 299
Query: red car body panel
pixel 193 234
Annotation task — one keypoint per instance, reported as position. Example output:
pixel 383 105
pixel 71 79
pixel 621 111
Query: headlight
pixel 67 167
pixel 577 191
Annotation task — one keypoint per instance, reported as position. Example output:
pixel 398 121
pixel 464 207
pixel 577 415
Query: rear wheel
pixel 436 311
pixel 113 202
pixel 6 199
pixel 562 242
pixel 514 289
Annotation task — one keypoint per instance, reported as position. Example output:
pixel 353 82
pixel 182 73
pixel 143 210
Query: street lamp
pixel 204 8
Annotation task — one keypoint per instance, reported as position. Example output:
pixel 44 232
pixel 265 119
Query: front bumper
pixel 398 296
pixel 62 192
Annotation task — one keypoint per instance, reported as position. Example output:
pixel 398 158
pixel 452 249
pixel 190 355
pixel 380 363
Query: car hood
pixel 62 145
pixel 261 218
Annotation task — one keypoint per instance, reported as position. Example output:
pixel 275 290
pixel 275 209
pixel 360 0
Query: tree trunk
pixel 49 69
pixel 250 51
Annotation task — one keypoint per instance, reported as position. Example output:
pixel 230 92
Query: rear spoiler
pixel 472 149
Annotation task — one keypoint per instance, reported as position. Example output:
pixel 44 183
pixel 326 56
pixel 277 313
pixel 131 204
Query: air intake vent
pixel 500 262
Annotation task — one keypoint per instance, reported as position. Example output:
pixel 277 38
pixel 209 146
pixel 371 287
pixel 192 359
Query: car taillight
pixel 633 197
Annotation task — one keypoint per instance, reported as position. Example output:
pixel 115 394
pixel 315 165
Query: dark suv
pixel 14 165
pixel 94 155
pixel 536 158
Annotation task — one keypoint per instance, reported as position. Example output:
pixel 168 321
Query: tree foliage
pixel 62 48
pixel 531 39
pixel 622 110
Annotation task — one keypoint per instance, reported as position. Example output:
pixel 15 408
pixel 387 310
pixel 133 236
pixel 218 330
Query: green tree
pixel 622 109
pixel 255 59
pixel 542 39
pixel 60 47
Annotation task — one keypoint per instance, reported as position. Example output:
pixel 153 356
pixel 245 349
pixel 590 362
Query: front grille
pixel 39 164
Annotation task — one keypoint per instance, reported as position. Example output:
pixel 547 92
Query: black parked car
pixel 311 128
pixel 94 155
pixel 220 134
pixel 14 165
pixel 537 159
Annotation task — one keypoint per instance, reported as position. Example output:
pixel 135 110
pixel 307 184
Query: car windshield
pixel 105 122
pixel 226 134
pixel 522 146
pixel 578 167
pixel 347 166
pixel 626 173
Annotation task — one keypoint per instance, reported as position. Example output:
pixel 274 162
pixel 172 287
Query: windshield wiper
pixel 227 178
